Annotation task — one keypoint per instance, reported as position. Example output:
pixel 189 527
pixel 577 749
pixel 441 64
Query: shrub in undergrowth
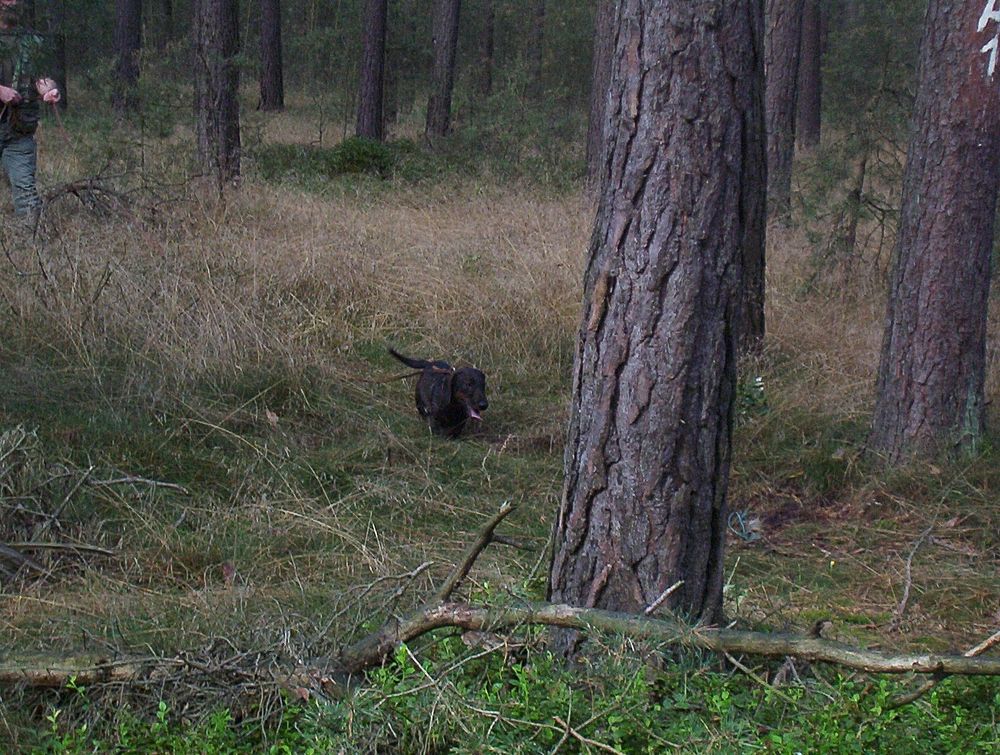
pixel 357 155
pixel 352 156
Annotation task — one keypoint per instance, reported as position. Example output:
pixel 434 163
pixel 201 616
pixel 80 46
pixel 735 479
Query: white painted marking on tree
pixel 991 48
pixel 990 14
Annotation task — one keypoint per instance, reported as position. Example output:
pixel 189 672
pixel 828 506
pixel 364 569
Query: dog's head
pixel 468 388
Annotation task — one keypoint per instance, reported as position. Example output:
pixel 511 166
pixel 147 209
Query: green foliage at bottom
pixel 460 701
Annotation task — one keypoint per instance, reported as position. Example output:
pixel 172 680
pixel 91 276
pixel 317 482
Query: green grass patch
pixel 448 698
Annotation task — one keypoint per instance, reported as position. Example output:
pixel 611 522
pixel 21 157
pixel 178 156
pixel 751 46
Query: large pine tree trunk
pixel 272 77
pixel 647 457
pixel 370 90
pixel 600 74
pixel 807 126
pixel 128 42
pixel 781 68
pixel 929 393
pixel 215 24
pixel 446 14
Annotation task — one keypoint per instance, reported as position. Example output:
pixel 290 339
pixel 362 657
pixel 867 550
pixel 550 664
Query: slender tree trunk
pixel 781 68
pixel 486 43
pixel 807 128
pixel 647 457
pixel 402 74
pixel 56 27
pixel 599 78
pixel 217 81
pixel 372 84
pixel 750 317
pixel 446 14
pixel 848 232
pixel 536 42
pixel 391 114
pixel 166 35
pixel 929 393
pixel 272 77
pixel 128 43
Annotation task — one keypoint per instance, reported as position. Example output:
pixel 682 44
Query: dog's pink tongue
pixel 474 414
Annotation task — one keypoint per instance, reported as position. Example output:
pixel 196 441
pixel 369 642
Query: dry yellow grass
pixel 464 271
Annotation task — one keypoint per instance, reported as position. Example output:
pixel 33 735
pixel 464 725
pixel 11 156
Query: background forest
pixel 208 468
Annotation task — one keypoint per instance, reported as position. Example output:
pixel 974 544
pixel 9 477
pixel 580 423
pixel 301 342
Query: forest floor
pixel 205 392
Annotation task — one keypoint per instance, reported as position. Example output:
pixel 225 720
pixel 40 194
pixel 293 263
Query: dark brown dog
pixel 447 397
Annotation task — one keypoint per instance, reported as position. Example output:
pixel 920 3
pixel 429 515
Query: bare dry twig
pixel 19 559
pixel 651 608
pixel 584 740
pixel 462 570
pixel 897 620
pixel 72 547
pixel 910 697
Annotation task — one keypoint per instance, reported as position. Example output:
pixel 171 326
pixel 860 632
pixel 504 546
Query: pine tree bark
pixel 810 86
pixel 750 318
pixel 215 25
pixel 446 13
pixel 372 81
pixel 929 392
pixel 128 43
pixel 272 76
pixel 604 25
pixel 783 33
pixel 647 457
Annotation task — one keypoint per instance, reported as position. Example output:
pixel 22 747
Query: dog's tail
pixel 417 364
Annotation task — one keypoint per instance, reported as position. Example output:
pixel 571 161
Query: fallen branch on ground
pixel 442 612
pixel 19 559
pixel 71 547
pixel 94 194
pixel 909 697
pixel 897 620
pixel 371 650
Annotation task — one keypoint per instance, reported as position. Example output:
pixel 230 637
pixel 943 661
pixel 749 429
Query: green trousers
pixel 19 158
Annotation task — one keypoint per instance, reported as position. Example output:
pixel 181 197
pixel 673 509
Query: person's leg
pixel 19 160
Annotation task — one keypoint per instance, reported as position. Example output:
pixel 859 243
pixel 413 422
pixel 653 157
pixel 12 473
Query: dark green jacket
pixel 23 60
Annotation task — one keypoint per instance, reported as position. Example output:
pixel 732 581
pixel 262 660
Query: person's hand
pixel 9 96
pixel 47 88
